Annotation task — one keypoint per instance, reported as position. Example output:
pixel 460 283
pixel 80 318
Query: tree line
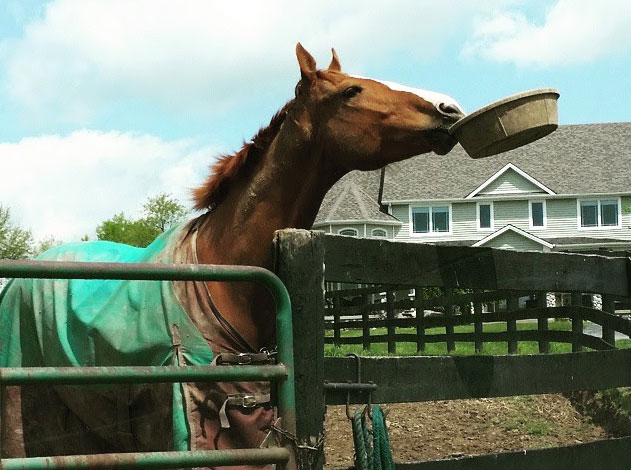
pixel 158 214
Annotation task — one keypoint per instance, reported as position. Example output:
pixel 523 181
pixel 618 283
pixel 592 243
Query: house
pixel 570 191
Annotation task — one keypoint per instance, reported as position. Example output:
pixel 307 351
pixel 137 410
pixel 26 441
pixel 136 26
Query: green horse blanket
pixel 45 322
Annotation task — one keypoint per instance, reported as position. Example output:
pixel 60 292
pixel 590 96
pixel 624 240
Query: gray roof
pixel 575 159
pixel 558 242
pixel 354 198
pixel 562 241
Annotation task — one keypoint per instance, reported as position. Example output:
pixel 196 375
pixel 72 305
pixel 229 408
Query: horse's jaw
pixel 441 141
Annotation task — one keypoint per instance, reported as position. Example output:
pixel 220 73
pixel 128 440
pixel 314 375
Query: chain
pixel 294 440
pixel 306 455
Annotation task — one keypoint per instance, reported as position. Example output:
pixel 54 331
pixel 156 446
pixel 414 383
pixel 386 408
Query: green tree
pixel 159 214
pixel 45 244
pixel 121 229
pixel 163 212
pixel 15 242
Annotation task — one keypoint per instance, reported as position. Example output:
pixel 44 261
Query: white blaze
pixel 431 96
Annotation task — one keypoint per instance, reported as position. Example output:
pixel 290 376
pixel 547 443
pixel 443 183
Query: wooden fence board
pixel 608 305
pixel 413 379
pixel 383 262
pixel 512 304
pixel 559 336
pixel 596 316
pixel 609 454
pixel 542 323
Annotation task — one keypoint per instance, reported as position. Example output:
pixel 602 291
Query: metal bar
pixel 350 386
pixel 151 460
pixel 2 389
pixel 145 374
pixel 189 272
pixel 138 272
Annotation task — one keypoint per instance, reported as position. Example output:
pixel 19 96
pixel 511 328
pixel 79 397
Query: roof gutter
pixel 503 197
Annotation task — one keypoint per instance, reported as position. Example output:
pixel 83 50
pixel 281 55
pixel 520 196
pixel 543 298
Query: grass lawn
pixel 462 348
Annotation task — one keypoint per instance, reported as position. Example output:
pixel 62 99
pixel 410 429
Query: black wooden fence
pixel 305 260
pixel 420 309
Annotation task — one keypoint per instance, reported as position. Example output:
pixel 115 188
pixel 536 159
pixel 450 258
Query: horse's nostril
pixel 450 111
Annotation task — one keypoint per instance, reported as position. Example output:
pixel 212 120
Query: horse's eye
pixel 352 91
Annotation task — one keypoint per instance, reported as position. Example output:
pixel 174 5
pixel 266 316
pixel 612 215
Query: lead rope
pixel 372 446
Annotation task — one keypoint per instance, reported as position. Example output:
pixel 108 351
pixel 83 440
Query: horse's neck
pixel 283 190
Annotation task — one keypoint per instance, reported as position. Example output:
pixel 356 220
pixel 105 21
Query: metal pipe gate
pixel 282 373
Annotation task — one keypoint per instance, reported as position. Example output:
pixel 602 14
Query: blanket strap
pixel 229 359
pixel 242 400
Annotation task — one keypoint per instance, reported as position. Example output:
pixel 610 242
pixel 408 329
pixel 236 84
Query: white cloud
pixel 574 31
pixel 84 55
pixel 65 185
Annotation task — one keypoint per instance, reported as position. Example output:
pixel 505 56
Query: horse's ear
pixel 306 61
pixel 335 66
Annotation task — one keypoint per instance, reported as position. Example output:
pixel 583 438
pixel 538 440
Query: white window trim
pixel 545 215
pixel 372 233
pixel 598 200
pixel 430 233
pixel 477 215
pixel 341 229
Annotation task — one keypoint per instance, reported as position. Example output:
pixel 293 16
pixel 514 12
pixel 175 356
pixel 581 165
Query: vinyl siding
pixel 360 229
pixel 463 219
pixel 513 241
pixel 510 182
pixel 388 228
pixel 561 221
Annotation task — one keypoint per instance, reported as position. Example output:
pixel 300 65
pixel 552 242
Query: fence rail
pixel 367 308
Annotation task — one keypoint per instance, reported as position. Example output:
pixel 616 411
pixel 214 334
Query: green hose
pixel 372 446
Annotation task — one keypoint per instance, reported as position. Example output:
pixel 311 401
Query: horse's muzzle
pixel 442 141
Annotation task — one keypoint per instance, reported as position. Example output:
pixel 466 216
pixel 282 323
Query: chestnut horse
pixel 335 124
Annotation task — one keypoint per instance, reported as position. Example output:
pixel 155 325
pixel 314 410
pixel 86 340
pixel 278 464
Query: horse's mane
pixel 227 168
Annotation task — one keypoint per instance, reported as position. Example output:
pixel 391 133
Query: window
pixel 608 213
pixel 432 219
pixel 597 213
pixel 379 233
pixel 589 214
pixel 537 214
pixel 352 232
pixel 485 216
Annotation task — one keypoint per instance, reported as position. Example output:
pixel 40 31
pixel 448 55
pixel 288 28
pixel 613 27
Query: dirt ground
pixel 444 429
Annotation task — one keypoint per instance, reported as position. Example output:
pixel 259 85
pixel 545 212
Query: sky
pixel 104 103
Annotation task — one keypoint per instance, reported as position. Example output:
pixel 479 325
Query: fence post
pixel 392 345
pixel 577 322
pixel 420 319
pixel 542 322
pixel 337 334
pixel 365 319
pixel 449 327
pixel 477 327
pixel 299 262
pixel 609 306
pixel 512 304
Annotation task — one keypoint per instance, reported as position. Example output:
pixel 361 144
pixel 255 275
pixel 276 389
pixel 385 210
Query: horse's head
pixel 367 123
